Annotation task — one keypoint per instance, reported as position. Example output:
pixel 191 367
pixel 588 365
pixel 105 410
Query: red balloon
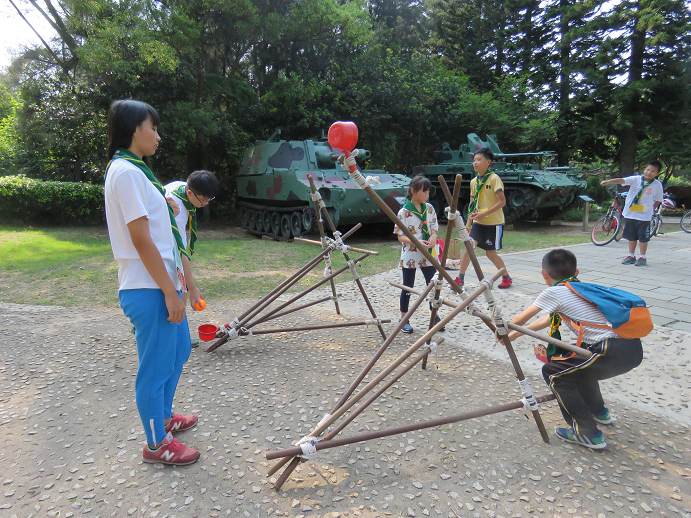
pixel 343 135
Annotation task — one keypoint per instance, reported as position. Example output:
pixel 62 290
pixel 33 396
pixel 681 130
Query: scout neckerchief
pixel 479 191
pixel 180 248
pixel 555 322
pixel 422 214
pixel 644 186
pixel 181 193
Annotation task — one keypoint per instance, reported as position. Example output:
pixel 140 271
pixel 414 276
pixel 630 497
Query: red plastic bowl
pixel 207 332
pixel 343 135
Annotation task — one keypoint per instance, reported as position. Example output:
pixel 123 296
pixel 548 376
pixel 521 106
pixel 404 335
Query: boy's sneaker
pixel 194 342
pixel 178 423
pixel 642 261
pixel 505 282
pixel 171 452
pixel 437 320
pixel 604 417
pixel 458 281
pixel 629 259
pixel 407 328
pixel 595 441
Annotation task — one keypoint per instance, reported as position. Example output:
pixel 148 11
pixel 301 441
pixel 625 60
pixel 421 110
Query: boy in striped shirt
pixel 572 379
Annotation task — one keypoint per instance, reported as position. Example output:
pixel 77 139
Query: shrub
pixel 27 200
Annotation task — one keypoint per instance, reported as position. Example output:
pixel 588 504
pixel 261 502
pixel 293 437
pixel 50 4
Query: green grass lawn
pixel 75 266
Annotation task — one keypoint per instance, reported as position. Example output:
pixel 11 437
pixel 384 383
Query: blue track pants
pixel 163 348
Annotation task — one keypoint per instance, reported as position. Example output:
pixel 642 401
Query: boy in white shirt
pixel 644 196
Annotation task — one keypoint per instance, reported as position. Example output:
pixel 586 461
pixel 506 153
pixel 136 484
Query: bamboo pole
pixel 317 213
pixel 445 252
pixel 502 337
pixel 365 369
pixel 323 326
pixel 333 443
pixel 404 356
pixel 350 248
pixel 313 188
pixel 365 404
pixel 564 345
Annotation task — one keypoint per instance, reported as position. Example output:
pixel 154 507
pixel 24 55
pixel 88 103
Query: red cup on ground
pixel 343 135
pixel 207 332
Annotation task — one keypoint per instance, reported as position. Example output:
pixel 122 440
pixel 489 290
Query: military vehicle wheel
pixel 275 223
pixel 259 220
pixel 285 226
pixel 244 216
pixel 266 220
pixel 251 219
pixel 239 214
pixel 296 224
pixel 307 221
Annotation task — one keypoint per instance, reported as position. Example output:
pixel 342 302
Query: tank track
pixel 242 208
pixel 515 213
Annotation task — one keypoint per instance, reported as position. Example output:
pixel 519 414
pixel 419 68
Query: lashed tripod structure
pixel 261 312
pixel 310 444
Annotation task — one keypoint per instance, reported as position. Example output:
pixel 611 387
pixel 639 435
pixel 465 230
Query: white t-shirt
pixel 411 257
pixel 130 195
pixel 184 216
pixel 562 300
pixel 651 194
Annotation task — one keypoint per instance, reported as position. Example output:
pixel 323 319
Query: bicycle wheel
pixel 655 225
pixel 686 222
pixel 620 229
pixel 605 230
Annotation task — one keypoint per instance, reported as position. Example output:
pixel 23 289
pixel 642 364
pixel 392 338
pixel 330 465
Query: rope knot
pixel 308 445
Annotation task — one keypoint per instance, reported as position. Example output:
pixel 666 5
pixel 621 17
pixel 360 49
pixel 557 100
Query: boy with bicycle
pixel 644 196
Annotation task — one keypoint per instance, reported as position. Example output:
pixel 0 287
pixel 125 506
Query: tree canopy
pixel 597 82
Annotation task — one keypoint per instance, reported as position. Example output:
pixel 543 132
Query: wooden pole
pixel 350 248
pixel 333 443
pixel 564 345
pixel 323 326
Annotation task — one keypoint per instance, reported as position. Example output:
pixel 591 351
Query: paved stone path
pixel 72 439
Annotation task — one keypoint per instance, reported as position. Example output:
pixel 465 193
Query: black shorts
pixel 488 237
pixel 636 230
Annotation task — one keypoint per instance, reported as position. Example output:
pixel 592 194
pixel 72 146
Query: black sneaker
pixel 437 320
pixel 407 328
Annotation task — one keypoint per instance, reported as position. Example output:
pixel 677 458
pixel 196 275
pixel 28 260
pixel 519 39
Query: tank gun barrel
pixel 535 153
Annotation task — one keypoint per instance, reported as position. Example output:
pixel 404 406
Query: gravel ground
pixel 73 439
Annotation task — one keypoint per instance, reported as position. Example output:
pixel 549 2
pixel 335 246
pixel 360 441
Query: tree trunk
pixel 563 126
pixel 628 137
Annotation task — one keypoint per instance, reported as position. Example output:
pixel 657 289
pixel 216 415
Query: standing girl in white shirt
pixel 148 249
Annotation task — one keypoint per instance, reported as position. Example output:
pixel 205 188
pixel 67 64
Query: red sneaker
pixel 178 423
pixel 459 282
pixel 171 452
pixel 505 282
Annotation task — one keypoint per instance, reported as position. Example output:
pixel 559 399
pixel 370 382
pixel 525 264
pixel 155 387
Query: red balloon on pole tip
pixel 343 135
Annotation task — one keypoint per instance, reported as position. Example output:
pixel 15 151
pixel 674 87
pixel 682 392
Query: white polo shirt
pixel 130 195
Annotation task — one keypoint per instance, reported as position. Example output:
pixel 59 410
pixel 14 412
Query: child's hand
pixel 195 297
pixel 175 307
pixel 173 205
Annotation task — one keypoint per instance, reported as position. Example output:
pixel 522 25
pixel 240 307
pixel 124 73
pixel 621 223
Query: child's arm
pixel 150 256
pixel 192 290
pixel 618 181
pixel 526 315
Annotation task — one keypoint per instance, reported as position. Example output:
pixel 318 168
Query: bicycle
pixel 610 226
pixel 685 222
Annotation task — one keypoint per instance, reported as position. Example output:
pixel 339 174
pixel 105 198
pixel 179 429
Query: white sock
pixel 631 255
pixel 641 256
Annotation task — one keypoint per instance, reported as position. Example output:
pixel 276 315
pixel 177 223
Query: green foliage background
pixel 606 85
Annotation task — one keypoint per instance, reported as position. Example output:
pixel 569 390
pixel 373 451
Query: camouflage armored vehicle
pixel 532 192
pixel 273 192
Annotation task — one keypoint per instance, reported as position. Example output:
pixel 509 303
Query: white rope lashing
pixel 457 220
pixel 316 196
pixel 528 400
pixel 373 322
pixel 308 445
pixel 327 261
pixel 351 265
pixel 433 346
pixel 374 180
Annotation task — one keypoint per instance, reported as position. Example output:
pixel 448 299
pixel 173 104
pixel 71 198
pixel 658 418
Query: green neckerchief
pixel 181 193
pixel 422 214
pixel 479 191
pixel 134 159
pixel 555 322
pixel 644 186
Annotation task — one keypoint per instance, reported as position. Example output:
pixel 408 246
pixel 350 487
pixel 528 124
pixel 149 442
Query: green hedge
pixel 27 200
